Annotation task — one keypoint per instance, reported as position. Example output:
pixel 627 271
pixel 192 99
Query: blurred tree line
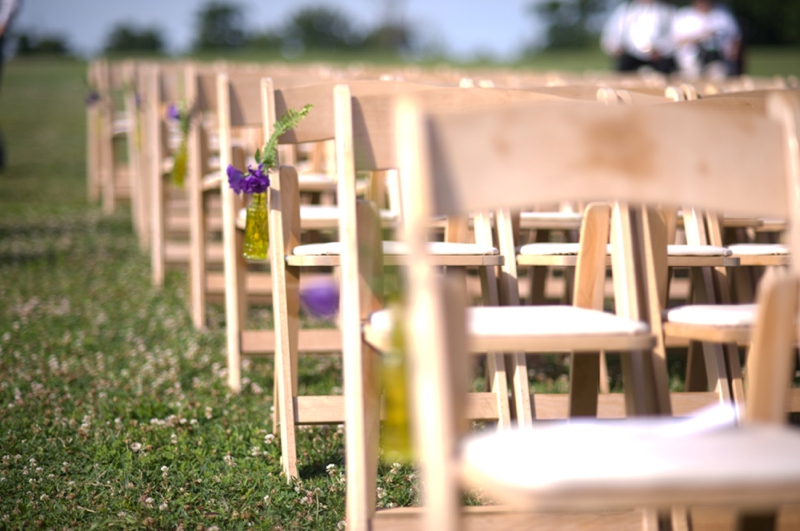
pixel 220 25
pixel 577 23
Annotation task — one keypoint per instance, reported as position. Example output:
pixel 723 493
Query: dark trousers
pixel 629 63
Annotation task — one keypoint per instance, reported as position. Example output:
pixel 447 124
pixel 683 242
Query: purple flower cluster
pixel 173 112
pixel 320 298
pixel 92 98
pixel 255 182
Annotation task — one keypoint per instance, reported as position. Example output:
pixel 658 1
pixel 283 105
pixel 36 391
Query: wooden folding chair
pixel 645 155
pixel 331 119
pixel 109 179
pixel 239 107
pixel 93 130
pixel 164 85
pixel 718 325
pixel 137 162
pixel 517 329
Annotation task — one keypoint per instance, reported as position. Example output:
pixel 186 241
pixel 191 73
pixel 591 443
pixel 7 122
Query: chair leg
pixel 681 519
pixel 496 378
pixel 734 367
pixel 287 322
pixel 716 371
pixel 583 384
pixel 197 259
pixel 157 243
pixel 361 367
pixel 696 379
pixel 362 443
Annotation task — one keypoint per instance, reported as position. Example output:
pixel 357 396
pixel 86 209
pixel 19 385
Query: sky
pixel 463 28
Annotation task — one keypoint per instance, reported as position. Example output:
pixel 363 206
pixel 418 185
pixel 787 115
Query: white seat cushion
pixel 697 250
pixel 331 213
pixel 212 180
pixel 713 314
pixel 397 248
pixel 634 462
pixel 534 320
pixel 551 216
pixel 550 249
pixel 313 178
pixel 759 249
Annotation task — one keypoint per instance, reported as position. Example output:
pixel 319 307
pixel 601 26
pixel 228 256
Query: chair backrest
pixel 471 161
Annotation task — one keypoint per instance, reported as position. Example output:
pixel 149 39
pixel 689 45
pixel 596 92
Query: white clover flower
pixel 148 502
pixel 229 460
pixel 208 412
pixel 173 439
pixel 255 451
pixel 163 506
pixel 266 499
pixel 268 438
pixel 44 497
pixel 136 446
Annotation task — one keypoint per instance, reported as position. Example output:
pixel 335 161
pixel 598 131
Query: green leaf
pixel 288 121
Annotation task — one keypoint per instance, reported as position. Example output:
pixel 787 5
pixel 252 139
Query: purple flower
pixel 255 182
pixel 92 98
pixel 173 112
pixel 320 298
pixel 235 179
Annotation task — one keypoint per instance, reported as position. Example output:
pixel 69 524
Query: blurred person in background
pixel 638 34
pixel 7 10
pixel 707 40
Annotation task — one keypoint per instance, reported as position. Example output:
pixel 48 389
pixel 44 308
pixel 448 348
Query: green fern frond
pixel 269 156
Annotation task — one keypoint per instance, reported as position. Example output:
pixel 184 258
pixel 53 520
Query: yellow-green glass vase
pixel 395 434
pixel 256 233
pixel 180 161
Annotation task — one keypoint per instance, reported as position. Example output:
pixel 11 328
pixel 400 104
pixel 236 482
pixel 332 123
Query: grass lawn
pixel 114 412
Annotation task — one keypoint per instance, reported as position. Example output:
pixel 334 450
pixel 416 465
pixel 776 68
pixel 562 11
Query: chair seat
pixel 714 314
pixel 759 249
pixel 551 220
pixel 636 463
pixel 566 254
pixel 761 254
pixel 572 248
pixel 536 329
pixel 395 248
pixel 120 125
pixel 717 323
pixel 315 182
pixel 396 253
pixel 167 164
pixel 212 181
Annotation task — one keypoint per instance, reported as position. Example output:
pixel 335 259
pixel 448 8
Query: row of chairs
pixel 357 120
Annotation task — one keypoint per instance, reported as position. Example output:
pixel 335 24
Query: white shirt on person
pixel 7 8
pixel 639 29
pixel 716 30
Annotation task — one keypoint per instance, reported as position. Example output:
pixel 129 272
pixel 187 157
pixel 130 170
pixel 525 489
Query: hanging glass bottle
pixel 256 233
pixel 395 435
